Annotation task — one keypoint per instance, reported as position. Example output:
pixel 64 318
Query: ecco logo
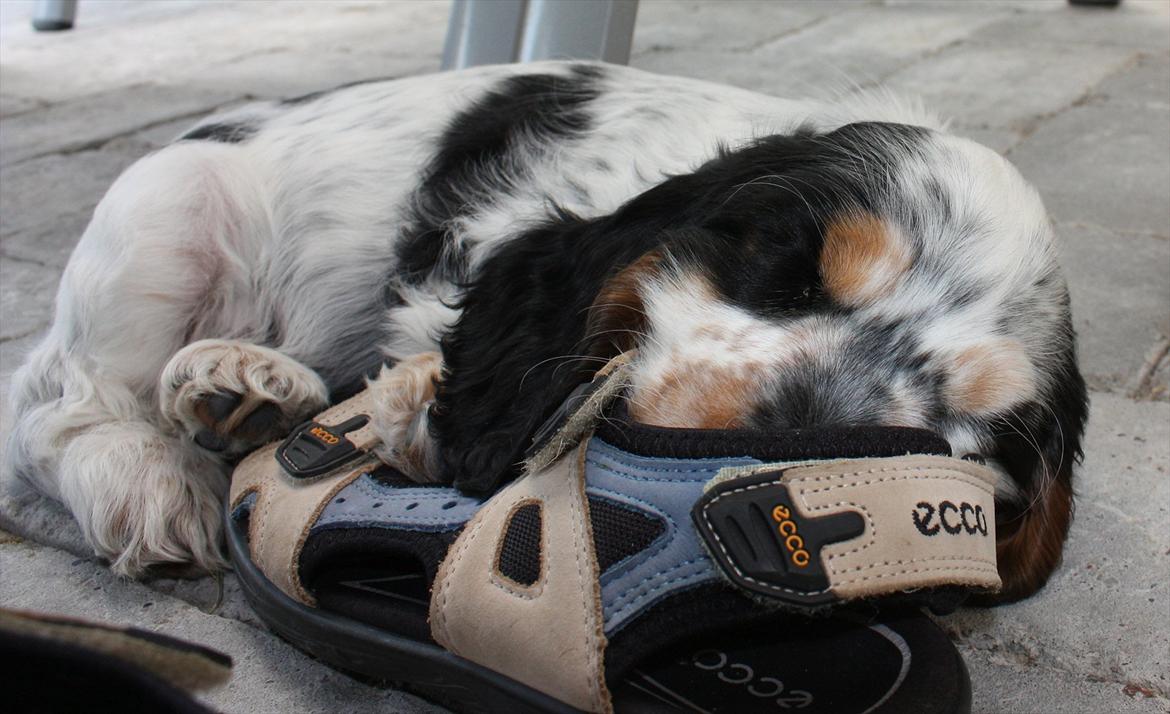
pixel 323 435
pixel 951 518
pixel 788 531
pixel 742 675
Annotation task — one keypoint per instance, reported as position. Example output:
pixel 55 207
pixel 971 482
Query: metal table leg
pixel 54 15
pixel 494 31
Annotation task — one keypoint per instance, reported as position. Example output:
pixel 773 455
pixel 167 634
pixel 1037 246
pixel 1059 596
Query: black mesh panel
pixel 520 555
pixel 620 531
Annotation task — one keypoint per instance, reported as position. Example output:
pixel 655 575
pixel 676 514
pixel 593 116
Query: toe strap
pixel 539 622
pixel 286 503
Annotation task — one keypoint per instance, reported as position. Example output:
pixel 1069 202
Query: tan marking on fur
pixel 698 396
pixel 990 378
pixel 862 258
pixel 714 332
pixel 1029 545
pixel 618 315
pixel 402 395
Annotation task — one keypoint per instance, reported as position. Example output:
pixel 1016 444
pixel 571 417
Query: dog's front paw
pixel 232 397
pixel 144 499
pixel 401 396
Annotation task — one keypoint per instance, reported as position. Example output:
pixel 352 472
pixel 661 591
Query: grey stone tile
pixel 1007 87
pixel 11 104
pixel 26 297
pixel 1152 382
pixel 50 243
pixel 92 120
pixel 1103 614
pixel 88 60
pixel 1144 84
pixel 58 191
pixel 1003 684
pixel 669 25
pixel 1002 140
pixel 864 46
pixel 1120 288
pixel 37 519
pixel 283 74
pixel 1105 165
pixel 883 33
pixel 1138 25
pixel 852 45
pixel 739 70
pixel 267 674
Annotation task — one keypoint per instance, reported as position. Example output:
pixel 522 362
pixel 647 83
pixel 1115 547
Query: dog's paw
pixel 144 500
pixel 401 396
pixel 231 397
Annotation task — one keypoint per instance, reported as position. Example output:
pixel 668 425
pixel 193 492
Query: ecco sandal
pixel 631 569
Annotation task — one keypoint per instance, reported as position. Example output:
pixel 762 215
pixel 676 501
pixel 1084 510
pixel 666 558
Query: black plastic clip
pixel 764 545
pixel 313 449
pixel 563 413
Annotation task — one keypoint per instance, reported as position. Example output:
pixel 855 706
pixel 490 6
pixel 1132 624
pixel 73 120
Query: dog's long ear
pixel 544 314
pixel 617 317
pixel 1039 444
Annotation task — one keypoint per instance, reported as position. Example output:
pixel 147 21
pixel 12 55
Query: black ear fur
pixel 519 346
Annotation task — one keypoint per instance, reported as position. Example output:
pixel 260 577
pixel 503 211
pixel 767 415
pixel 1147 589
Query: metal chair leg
pixel 495 31
pixel 54 15
pixel 578 29
pixel 483 32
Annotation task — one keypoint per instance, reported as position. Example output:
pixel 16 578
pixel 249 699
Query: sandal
pixel 632 568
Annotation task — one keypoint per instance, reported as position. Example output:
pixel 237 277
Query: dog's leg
pixel 231 396
pixel 165 259
pixel 402 395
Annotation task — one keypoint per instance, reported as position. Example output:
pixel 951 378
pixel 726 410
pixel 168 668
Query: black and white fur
pixel 527 223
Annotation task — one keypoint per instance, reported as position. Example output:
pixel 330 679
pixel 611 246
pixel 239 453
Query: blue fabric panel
pixel 368 502
pixel 667 488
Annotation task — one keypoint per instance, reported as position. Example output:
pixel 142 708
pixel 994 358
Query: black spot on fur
pixel 224 132
pixel 481 154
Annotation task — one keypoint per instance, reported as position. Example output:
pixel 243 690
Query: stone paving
pixel 1078 98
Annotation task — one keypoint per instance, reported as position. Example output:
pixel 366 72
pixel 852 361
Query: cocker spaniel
pixel 478 243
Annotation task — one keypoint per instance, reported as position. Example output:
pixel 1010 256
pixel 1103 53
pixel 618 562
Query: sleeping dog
pixel 476 244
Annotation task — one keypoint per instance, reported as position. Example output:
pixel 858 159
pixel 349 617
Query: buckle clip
pixel 563 413
pixel 764 545
pixel 313 449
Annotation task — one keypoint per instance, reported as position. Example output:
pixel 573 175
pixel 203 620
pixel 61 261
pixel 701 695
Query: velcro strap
pixel 817 533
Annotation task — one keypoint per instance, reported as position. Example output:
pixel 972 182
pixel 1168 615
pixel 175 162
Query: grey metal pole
pixel 54 15
pixel 578 29
pixel 483 32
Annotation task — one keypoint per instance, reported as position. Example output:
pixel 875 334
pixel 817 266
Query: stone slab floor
pixel 1079 99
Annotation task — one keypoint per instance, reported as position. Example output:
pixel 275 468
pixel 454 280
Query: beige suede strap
pixel 547 635
pixel 926 521
pixel 287 507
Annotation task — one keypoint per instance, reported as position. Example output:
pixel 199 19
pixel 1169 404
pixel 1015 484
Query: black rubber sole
pixel 346 644
pixel 935 680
